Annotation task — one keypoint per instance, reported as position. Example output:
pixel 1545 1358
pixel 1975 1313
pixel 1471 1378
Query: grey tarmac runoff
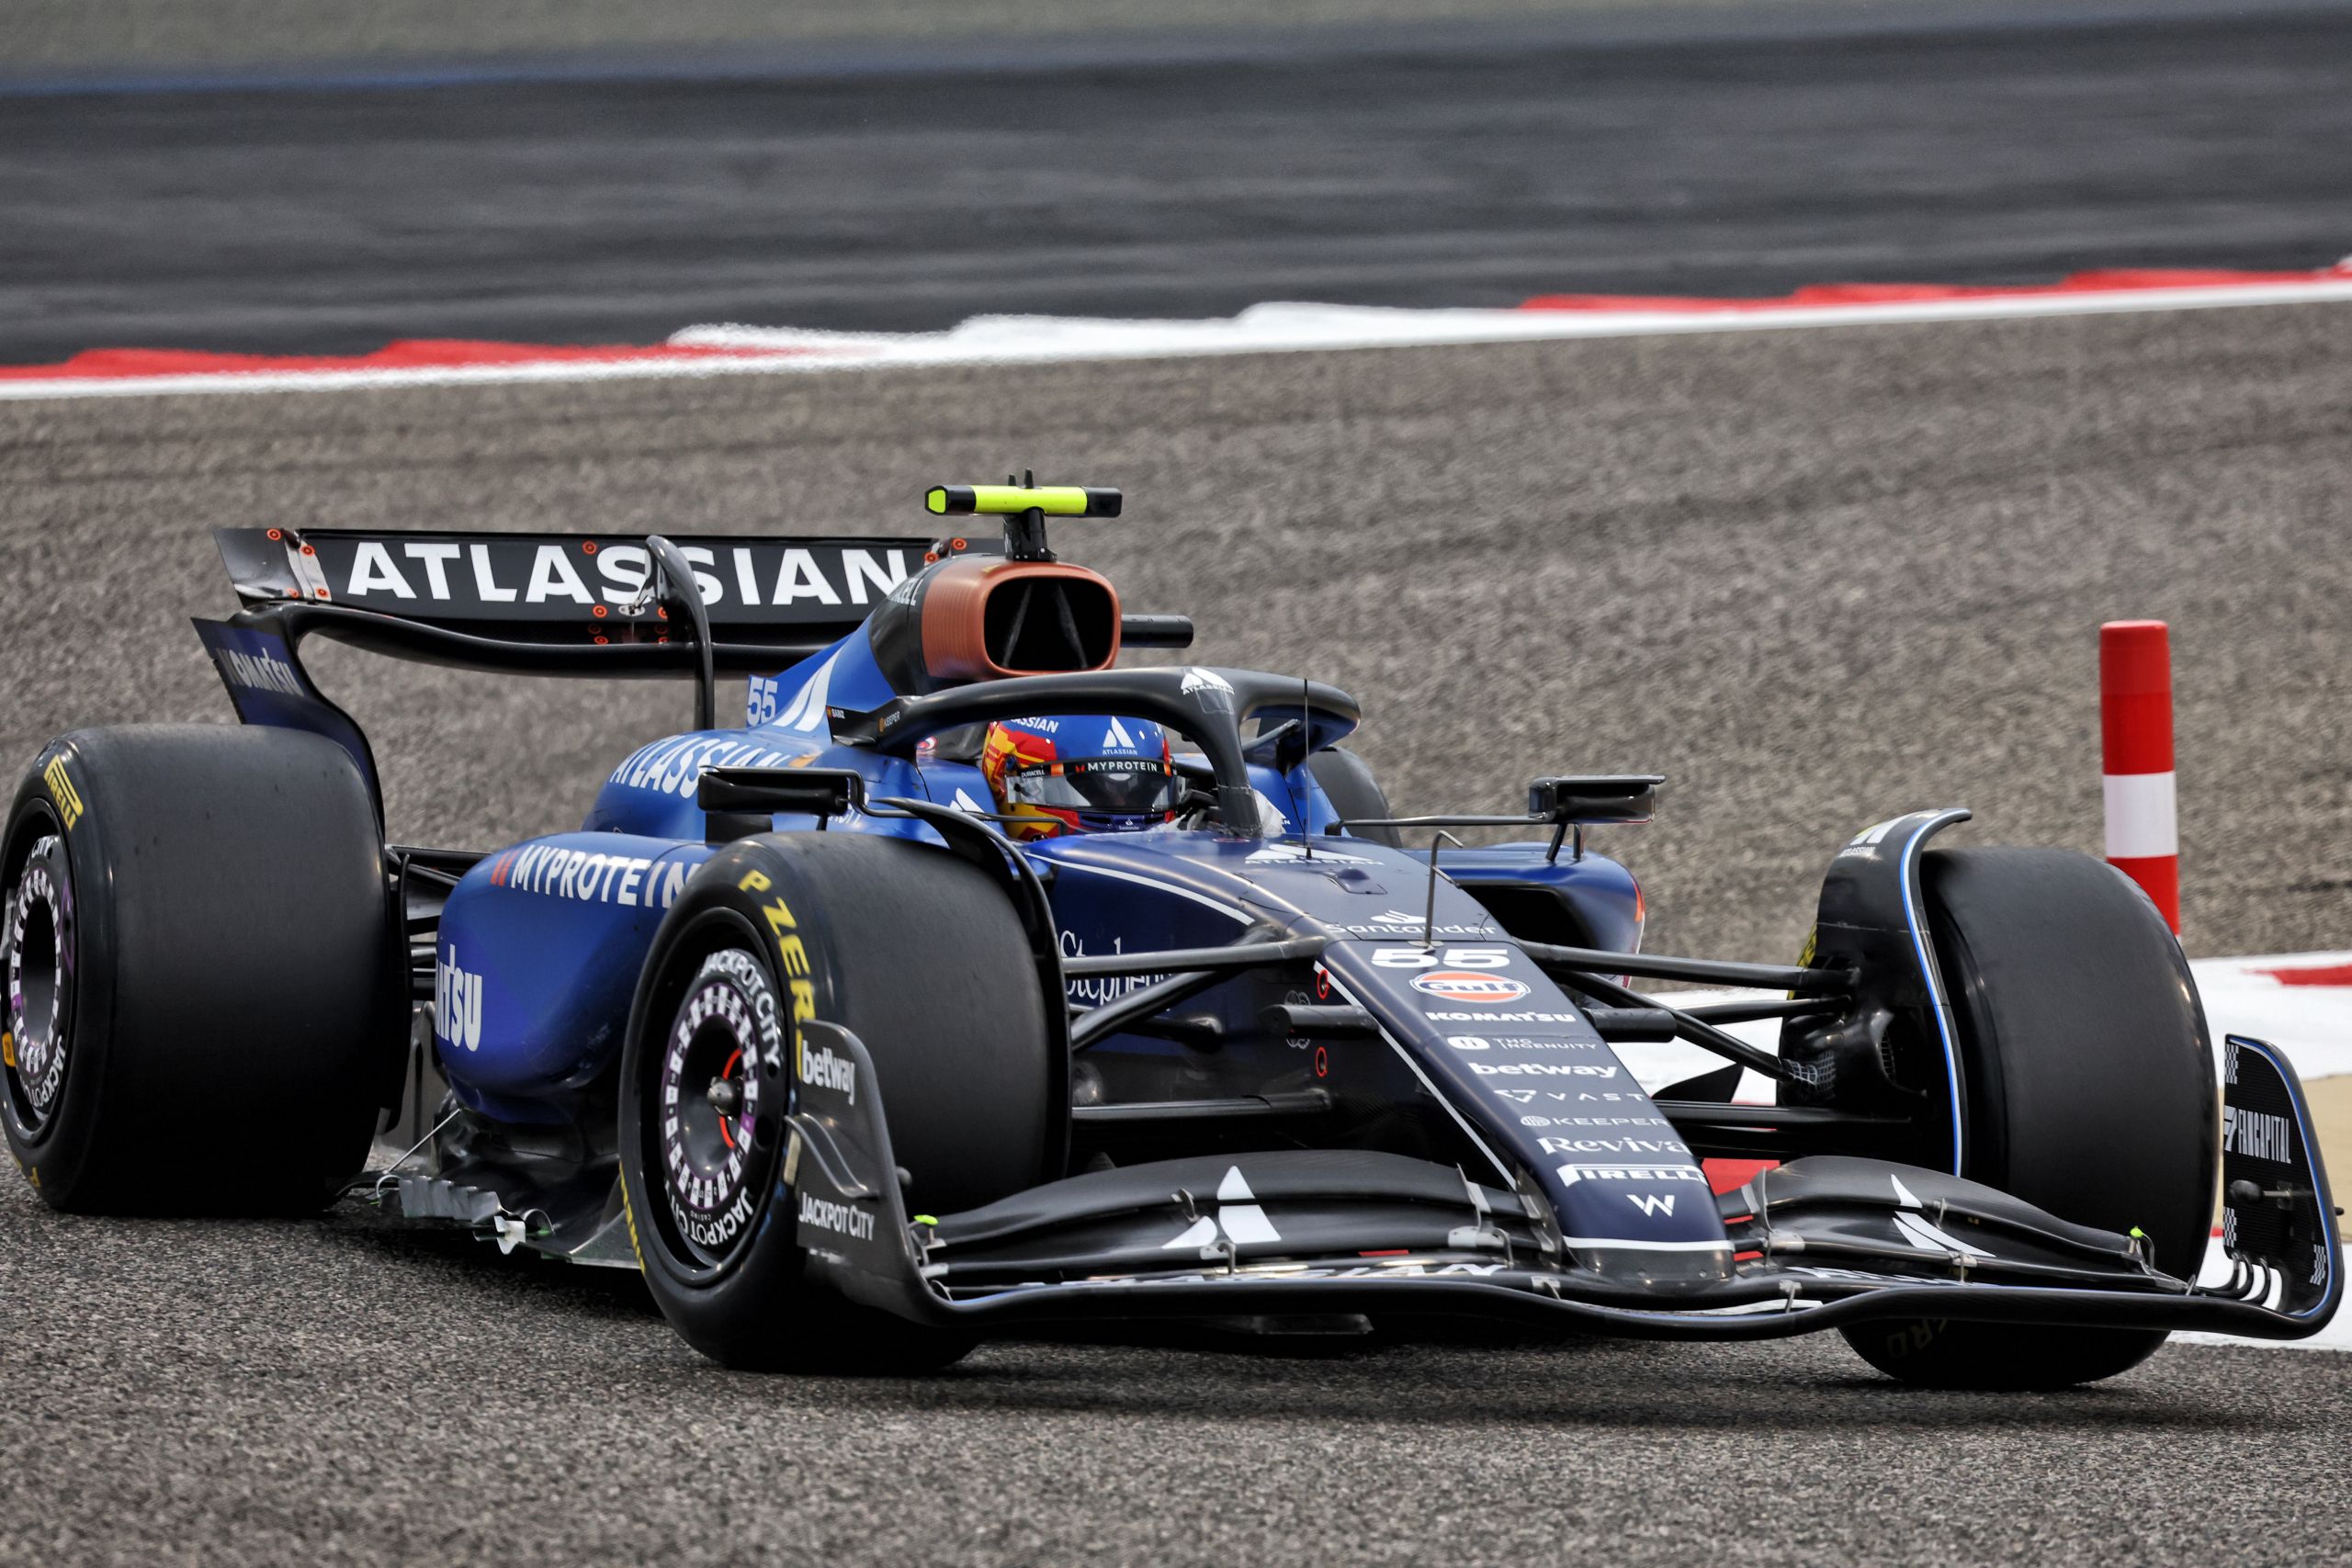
pixel 1814 577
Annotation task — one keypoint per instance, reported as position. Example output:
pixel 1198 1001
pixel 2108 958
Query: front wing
pixel 1823 1243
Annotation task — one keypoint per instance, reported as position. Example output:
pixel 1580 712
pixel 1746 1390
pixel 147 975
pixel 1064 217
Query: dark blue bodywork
pixel 539 946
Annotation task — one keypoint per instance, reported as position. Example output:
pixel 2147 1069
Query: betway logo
pixel 260 673
pixel 1539 1070
pixel 821 1069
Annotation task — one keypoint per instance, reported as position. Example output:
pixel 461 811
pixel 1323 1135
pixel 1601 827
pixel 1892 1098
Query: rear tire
pixel 2090 1093
pixel 923 956
pixel 1346 779
pixel 207 999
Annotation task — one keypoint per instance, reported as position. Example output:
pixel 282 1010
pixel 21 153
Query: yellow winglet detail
pixel 999 500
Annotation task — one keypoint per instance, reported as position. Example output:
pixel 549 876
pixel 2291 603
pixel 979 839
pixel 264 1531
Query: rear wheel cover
pixel 717 1092
pixel 36 1035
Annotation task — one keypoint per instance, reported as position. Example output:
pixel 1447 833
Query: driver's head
pixel 1080 773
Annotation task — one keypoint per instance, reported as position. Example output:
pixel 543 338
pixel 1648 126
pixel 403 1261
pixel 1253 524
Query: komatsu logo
pixel 457 1003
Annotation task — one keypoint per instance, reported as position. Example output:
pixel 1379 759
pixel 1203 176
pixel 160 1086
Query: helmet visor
pixel 1124 786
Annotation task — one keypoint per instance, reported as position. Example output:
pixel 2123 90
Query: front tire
pixel 2090 1093
pixel 205 999
pixel 921 956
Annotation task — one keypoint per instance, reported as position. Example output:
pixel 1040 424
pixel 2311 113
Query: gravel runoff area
pixel 1816 578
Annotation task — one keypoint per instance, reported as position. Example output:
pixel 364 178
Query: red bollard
pixel 2135 732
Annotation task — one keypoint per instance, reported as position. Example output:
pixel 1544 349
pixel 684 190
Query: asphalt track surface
pixel 1816 578
pixel 1476 169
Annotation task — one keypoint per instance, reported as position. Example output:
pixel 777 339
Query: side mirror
pixel 1580 799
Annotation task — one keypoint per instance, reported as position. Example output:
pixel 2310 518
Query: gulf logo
pixel 1469 986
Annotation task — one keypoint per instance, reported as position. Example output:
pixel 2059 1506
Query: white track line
pixel 1261 329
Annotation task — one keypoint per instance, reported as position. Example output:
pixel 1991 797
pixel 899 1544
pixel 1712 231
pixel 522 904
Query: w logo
pixel 1652 1203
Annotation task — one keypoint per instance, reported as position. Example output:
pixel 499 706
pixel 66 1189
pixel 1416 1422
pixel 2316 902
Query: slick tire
pixel 923 956
pixel 207 997
pixel 1354 794
pixel 2090 1092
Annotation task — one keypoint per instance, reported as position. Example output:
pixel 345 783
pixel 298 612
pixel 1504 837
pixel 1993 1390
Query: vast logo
pixel 457 1003
pixel 1469 986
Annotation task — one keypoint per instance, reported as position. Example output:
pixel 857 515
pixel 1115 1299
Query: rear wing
pixel 584 604
pixel 576 604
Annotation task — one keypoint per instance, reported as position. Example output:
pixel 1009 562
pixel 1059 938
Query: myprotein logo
pixel 457 1003
pixel 637 882
pixel 1470 986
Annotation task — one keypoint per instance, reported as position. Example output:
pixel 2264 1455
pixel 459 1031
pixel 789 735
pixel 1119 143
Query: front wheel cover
pixel 713 1093
pixel 39 938
pixel 699 1216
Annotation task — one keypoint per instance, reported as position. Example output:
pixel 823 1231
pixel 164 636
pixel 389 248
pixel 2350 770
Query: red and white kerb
pixel 2135 730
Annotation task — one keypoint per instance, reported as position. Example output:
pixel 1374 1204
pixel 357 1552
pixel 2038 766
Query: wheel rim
pixel 716 1127
pixel 36 1036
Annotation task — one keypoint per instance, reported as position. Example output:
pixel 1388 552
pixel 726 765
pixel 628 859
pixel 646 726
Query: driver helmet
pixel 1080 773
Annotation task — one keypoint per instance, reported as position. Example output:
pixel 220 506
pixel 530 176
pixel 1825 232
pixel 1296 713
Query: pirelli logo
pixel 62 791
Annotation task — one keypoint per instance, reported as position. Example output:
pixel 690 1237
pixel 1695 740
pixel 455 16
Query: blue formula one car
pixel 897 1016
